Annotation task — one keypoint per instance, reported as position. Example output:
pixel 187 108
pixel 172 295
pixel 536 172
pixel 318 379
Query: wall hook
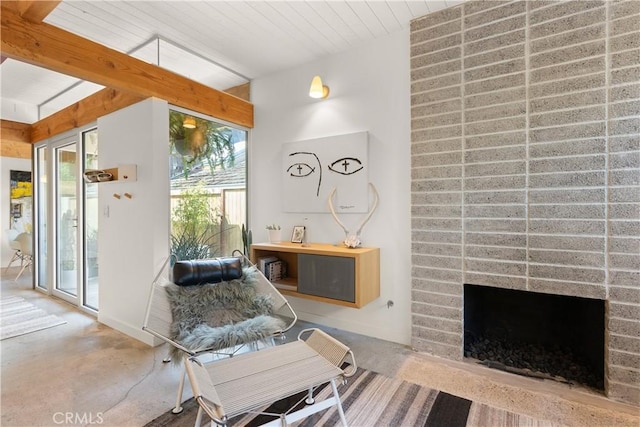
pixel 128 195
pixel 116 195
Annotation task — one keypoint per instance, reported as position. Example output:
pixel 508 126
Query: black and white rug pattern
pixel 371 399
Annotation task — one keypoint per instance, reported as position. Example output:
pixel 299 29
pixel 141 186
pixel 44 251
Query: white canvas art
pixel 311 169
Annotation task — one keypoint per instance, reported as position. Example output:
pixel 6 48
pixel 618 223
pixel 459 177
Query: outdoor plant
pixel 247 239
pixel 92 251
pixel 186 245
pixel 194 227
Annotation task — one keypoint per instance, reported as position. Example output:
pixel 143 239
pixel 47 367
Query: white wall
pixel 369 92
pixel 7 164
pixel 133 233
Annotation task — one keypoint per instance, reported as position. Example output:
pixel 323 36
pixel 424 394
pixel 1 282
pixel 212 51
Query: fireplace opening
pixel 534 334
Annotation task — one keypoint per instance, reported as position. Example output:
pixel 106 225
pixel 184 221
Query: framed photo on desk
pixel 298 234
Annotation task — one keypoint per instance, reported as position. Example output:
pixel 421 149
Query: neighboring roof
pixel 228 177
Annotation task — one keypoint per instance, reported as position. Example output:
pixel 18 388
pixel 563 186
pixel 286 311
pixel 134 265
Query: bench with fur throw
pixel 221 315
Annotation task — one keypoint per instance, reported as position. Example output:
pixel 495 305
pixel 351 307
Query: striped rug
pixel 373 400
pixel 19 317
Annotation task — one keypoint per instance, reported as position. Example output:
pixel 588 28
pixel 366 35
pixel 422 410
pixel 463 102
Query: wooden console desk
pixel 324 272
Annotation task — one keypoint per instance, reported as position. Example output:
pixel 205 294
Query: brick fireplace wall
pixel 526 165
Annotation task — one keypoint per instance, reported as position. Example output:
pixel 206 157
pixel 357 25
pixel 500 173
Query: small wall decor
pixel 105 176
pixel 298 234
pixel 312 168
pixel 91 175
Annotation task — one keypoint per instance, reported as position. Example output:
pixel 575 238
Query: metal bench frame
pixel 247 382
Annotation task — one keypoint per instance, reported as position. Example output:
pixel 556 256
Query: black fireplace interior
pixel 539 335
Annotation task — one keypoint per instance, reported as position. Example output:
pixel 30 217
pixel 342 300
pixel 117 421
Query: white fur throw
pixel 220 315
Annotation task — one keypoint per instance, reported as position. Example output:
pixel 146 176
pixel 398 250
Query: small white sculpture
pixel 353 240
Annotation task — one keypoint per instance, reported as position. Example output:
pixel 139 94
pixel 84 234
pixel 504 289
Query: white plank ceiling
pixel 218 43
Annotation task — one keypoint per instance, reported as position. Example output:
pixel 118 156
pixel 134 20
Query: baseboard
pixel 133 332
pixel 349 326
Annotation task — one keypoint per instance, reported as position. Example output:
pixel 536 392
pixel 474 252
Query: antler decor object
pixel 353 240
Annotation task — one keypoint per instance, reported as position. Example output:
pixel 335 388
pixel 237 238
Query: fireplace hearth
pixel 538 335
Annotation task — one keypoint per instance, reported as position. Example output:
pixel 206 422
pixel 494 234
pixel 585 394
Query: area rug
pixel 19 317
pixel 371 399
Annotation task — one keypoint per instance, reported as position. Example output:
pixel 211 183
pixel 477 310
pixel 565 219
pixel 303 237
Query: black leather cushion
pixel 195 272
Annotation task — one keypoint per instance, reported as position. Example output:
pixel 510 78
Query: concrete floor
pixel 85 373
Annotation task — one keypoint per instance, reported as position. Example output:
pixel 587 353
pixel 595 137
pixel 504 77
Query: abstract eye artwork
pixel 313 168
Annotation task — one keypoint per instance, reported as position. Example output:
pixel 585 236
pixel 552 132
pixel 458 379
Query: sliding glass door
pixel 41 202
pixel 90 216
pixel 67 218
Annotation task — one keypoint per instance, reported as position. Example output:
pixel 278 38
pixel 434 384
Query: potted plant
pixel 275 233
pixel 203 142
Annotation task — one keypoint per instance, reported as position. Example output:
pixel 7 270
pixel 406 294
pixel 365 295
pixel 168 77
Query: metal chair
pixel 11 235
pixel 25 240
pixel 159 318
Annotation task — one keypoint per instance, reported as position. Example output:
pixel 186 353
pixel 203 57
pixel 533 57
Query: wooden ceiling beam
pixel 20 150
pixel 37 10
pixel 75 115
pixel 15 131
pixel 15 139
pixel 50 47
pixel 85 111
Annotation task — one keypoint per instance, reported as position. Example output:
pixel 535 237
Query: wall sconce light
pixel 189 122
pixel 318 90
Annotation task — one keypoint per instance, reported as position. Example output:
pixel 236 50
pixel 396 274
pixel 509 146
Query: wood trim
pixel 82 112
pixel 50 47
pixel 36 11
pixel 15 139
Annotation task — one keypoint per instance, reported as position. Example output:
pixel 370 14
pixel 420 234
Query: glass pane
pixel 90 144
pixel 66 219
pixel 41 217
pixel 208 187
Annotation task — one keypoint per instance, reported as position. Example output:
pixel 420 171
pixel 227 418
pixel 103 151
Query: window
pixel 208 186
